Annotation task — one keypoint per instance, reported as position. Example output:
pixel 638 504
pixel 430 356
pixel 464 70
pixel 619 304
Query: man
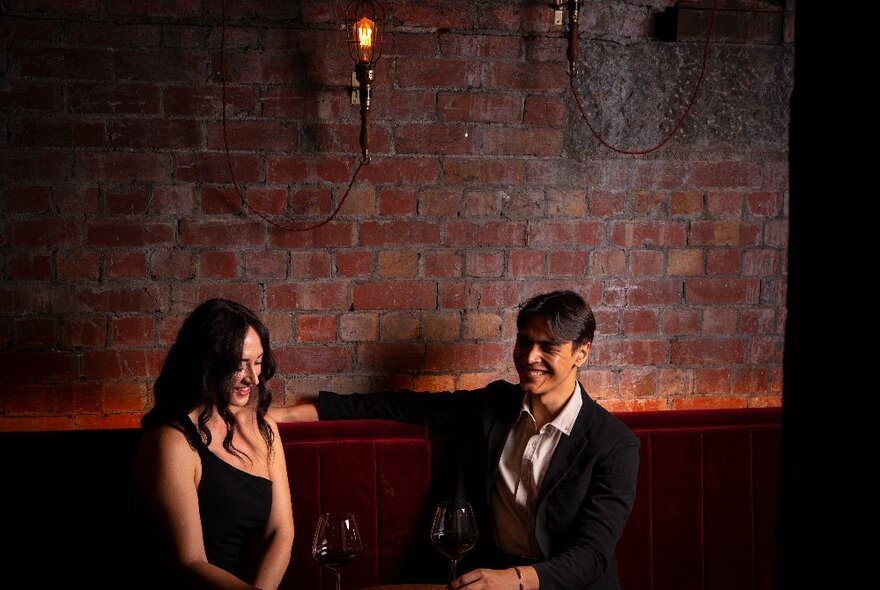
pixel 550 473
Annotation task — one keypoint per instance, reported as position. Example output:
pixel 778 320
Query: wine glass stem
pixel 338 580
pixel 454 567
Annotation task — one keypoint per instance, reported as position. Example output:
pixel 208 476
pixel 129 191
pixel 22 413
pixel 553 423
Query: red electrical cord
pixel 229 159
pixel 680 121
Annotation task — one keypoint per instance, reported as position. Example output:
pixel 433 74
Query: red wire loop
pixel 241 196
pixel 678 125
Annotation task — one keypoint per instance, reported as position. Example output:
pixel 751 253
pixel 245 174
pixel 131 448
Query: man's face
pixel 544 367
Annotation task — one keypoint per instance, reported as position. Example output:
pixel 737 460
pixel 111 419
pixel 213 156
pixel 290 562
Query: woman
pixel 211 476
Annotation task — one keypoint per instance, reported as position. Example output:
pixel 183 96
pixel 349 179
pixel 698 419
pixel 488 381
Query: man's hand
pixel 301 412
pixel 497 580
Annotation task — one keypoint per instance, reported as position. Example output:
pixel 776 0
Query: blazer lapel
pixel 499 425
pixel 568 449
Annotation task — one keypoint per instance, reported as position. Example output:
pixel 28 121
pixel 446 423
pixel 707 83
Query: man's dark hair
pixel 568 316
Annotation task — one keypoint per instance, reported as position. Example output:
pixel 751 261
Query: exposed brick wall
pixel 486 187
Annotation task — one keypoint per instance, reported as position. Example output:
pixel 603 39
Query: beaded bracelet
pixel 519 575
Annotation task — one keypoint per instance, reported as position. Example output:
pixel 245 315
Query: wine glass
pixel 454 531
pixel 337 542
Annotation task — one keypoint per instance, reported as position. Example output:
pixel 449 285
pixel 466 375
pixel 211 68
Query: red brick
pixel 706 351
pixel 123 99
pixel 311 202
pixel 315 328
pixel 630 352
pixel 567 233
pixel 402 171
pixel 110 364
pixel 483 108
pixel 478 203
pixel 77 264
pixel 398 202
pixel 646 262
pixel 34 332
pixel 540 142
pixel 384 357
pixel 399 233
pixel 252 135
pixel 763 263
pixel 755 381
pixel 37 424
pixel 607 262
pixel 265 264
pixel 726 174
pixel 25 94
pixel 397 263
pixel 359 327
pixel 35 165
pixel 712 381
pixel 360 202
pixel 163 64
pixel 442 263
pixel 535 77
pixel 333 137
pixel 126 397
pixel 223 233
pixel 433 73
pixel 124 299
pixel 62 62
pixel 49 365
pixel 654 292
pixel 434 139
pixel 215 167
pixel 685 262
pixel 765 350
pixel 353 263
pixel 398 326
pixel 186 296
pixel 679 322
pixel 84 332
pixel 764 204
pixel 568 263
pixel 724 233
pixel 307 296
pixel 333 234
pixel 395 295
pixel 481 326
pixel 650 203
pixel 61 132
pixel 648 234
pixel 292 103
pixel 172 200
pixel 173 264
pixel 76 199
pixel 723 262
pixel 566 203
pixel 483 172
pixel 686 203
pixel 309 264
pixel 30 266
pixel 638 382
pixel 526 263
pixel 724 204
pixel 442 326
pixel 440 202
pixel 484 264
pixel 447 14
pixel 466 233
pixel 634 405
pixel 156 133
pixel 314 360
pixel 45 232
pixel 121 265
pixel 123 167
pixel 675 382
pixel 640 321
pixel 27 199
pixel 130 202
pixel 722 291
pixel 543 110
pixel 219 265
pixel 27 400
pixel 207 101
pixel 132 331
pixel 661 174
pixel 405 105
pixel 719 320
pixel 120 233
pixel 759 321
pixel 525 205
pixel 216 200
pixel 464 357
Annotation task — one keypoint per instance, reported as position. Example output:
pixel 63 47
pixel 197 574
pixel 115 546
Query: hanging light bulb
pixel 365 32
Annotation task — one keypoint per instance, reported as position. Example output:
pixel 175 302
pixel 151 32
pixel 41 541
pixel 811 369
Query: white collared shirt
pixel 521 470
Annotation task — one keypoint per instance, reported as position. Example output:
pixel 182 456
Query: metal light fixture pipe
pixel 573 42
pixel 365 75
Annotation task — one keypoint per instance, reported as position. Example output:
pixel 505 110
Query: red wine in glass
pixel 454 531
pixel 337 542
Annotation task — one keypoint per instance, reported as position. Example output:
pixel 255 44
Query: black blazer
pixel 585 497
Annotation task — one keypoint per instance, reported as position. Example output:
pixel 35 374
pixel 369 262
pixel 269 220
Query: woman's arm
pixel 167 475
pixel 279 529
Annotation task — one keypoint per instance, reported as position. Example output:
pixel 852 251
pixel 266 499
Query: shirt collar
pixel 565 419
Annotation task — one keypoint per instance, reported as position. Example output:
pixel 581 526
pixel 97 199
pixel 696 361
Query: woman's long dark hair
pixel 200 368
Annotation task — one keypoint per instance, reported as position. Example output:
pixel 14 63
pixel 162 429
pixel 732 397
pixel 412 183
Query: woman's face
pixel 247 377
